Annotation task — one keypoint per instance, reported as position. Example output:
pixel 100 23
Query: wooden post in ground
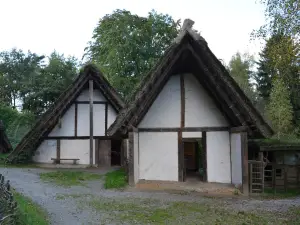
pixel 91 90
pixel 245 172
pixel 131 159
pixel 57 151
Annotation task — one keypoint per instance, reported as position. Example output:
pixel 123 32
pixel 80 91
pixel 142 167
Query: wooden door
pixel 190 155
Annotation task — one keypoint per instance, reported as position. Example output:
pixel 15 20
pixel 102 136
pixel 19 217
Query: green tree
pixel 126 46
pixel 15 66
pixel 280 110
pixel 282 16
pixel 280 57
pixel 41 89
pixel 240 68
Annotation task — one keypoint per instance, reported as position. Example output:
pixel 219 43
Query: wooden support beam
pixel 238 129
pixel 91 97
pixel 180 158
pixel 106 117
pixel 97 152
pixel 131 159
pixel 182 98
pixel 58 150
pixel 88 102
pixel 204 155
pixel 184 129
pixel 245 172
pixel 76 119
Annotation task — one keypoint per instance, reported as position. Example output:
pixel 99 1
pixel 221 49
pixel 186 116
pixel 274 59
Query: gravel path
pixel 66 211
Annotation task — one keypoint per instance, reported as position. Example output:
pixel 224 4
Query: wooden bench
pixel 57 161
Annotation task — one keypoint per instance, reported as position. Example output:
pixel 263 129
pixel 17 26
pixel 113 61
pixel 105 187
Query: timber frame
pixel 190 53
pixel 49 119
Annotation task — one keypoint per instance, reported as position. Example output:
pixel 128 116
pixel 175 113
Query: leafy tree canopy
pixel 126 46
pixel 280 109
pixel 283 16
pixel 241 69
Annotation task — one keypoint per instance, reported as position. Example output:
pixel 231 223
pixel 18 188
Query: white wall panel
pixel 165 111
pixel 83 117
pixel 218 157
pixel 236 158
pixel 67 122
pixel 200 109
pixel 45 152
pixel 158 156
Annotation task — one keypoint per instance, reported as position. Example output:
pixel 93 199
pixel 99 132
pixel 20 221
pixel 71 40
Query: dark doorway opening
pixel 194 160
pixel 116 152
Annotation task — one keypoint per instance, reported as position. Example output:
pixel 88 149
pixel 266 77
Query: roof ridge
pixel 187 27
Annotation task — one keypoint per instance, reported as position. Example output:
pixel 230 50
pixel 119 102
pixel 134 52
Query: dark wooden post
pixel 250 177
pixel 106 116
pixel 204 155
pixel 91 90
pixel 58 151
pixel 285 178
pixel 181 166
pixel 75 120
pixel 180 158
pixel 131 159
pixel 245 172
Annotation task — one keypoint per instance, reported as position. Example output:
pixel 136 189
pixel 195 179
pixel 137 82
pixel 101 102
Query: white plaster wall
pixel 68 149
pixel 99 120
pixel 218 157
pixel 97 95
pixel 236 158
pixel 83 120
pixel 79 149
pixel 136 156
pixel 111 115
pixel 67 121
pixel 165 111
pixel 158 156
pixel 200 109
pixel 45 152
pixel 192 134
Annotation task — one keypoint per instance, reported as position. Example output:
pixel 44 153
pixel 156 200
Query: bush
pixel 16 123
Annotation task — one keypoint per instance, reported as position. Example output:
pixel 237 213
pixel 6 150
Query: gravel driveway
pixel 65 211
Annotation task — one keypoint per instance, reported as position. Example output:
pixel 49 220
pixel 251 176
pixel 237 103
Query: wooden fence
pixel 8 207
pixel 276 177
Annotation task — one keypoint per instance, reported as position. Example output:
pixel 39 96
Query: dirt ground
pixel 92 204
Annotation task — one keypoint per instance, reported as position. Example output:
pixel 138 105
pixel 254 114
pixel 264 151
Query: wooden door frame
pixel 181 167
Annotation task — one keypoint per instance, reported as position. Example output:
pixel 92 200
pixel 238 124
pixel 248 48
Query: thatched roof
pixel 189 53
pixel 50 118
pixel 5 145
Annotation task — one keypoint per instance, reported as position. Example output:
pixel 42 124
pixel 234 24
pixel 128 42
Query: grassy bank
pixel 115 179
pixel 29 212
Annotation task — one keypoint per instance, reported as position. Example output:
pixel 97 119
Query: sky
pixel 66 26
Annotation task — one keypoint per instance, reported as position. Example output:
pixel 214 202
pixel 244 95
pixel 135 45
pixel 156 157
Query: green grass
pixel 115 179
pixel 3 156
pixel 147 211
pixel 279 194
pixel 69 178
pixel 29 212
